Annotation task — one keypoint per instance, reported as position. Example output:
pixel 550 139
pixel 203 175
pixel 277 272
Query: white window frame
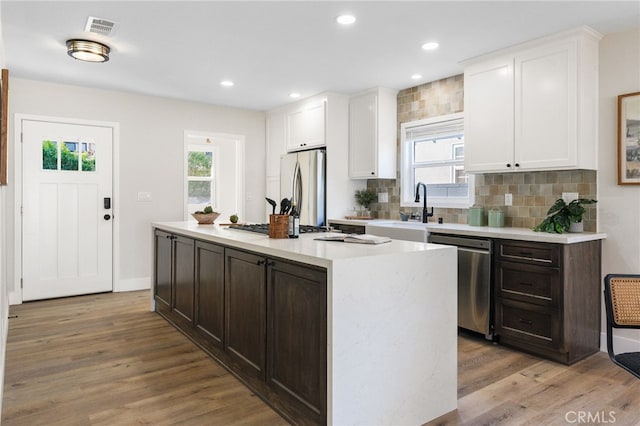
pixel 214 178
pixel 407 193
pixel 232 147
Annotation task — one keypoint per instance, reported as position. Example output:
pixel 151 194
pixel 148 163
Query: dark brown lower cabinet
pixel 548 298
pixel 264 319
pixel 183 270
pixel 245 310
pixel 209 280
pixel 297 330
pixel 163 261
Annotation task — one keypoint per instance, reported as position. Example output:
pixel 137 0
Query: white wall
pixel 150 159
pixel 618 206
pixel 4 295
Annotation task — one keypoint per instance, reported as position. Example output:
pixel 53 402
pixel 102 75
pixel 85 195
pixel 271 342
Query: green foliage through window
pixel 68 158
pixel 200 163
pixel 49 155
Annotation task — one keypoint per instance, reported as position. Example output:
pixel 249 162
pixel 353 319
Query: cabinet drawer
pixel 528 283
pixel 528 252
pixel 528 323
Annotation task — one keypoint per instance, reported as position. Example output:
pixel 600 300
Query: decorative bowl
pixel 205 218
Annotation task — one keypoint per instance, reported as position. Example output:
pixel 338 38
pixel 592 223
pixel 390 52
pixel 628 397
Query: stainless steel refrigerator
pixel 302 179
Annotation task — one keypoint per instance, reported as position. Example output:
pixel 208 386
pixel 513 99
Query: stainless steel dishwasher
pixel 474 281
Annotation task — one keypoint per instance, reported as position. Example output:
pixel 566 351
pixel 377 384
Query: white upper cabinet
pixel 306 126
pixel 372 134
pixel 534 106
pixel 276 142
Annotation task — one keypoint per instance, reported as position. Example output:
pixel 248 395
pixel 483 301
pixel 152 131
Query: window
pixel 68 156
pixel 214 173
pixel 433 153
pixel 201 187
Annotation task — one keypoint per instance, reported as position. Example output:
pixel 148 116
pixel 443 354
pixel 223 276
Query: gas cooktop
pixel 263 228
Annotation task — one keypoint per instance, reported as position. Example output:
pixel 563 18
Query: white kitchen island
pixel 391 321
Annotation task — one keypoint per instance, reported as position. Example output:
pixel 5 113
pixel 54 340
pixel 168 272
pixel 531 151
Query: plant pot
pixel 576 227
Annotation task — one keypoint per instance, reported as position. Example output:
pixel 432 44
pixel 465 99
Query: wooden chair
pixel 622 303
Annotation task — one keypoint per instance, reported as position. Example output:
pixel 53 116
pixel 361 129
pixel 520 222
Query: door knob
pixel 107 217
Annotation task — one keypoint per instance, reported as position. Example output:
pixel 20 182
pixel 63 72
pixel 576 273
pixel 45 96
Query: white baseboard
pixel 620 343
pixel 132 284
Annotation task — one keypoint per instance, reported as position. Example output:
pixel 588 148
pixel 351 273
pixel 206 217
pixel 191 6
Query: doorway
pixel 66 206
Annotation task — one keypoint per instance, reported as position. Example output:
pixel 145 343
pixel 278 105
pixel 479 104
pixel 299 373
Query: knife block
pixel 278 226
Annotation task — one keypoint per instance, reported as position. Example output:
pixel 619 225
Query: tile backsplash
pixel 533 192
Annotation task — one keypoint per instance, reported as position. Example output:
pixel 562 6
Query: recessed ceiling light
pixel 226 83
pixel 294 95
pixel 430 45
pixel 346 19
pixel 416 76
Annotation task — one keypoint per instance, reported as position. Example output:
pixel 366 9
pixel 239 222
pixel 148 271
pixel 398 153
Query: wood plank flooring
pixel 106 360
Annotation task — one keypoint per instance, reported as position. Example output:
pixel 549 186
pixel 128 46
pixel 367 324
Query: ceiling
pixel 182 49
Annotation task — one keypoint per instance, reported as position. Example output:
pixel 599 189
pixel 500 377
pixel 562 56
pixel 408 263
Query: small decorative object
pixel 233 218
pixel 496 218
pixel 475 216
pixel 629 139
pixel 364 198
pixel 206 216
pixel 561 215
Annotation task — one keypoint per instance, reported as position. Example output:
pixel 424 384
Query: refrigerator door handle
pixel 297 187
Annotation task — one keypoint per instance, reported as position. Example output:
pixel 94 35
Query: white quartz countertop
pixel 523 234
pixel 304 249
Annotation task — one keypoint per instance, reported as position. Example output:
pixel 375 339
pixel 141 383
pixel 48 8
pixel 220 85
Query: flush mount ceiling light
pixel 87 50
pixel 431 45
pixel 346 19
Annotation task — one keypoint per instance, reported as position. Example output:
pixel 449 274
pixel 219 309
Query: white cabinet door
pixel 306 127
pixel 363 136
pixel 546 107
pixel 276 143
pixel 488 116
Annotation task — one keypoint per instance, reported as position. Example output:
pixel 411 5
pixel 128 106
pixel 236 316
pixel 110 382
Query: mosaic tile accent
pixel 533 192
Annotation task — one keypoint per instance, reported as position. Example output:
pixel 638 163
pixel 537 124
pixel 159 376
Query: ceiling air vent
pixel 100 26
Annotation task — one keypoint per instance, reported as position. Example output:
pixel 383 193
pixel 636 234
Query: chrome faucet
pixel 425 213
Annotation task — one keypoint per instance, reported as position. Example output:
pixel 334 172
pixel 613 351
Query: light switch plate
pixel 508 199
pixel 383 197
pixel 144 196
pixel 570 196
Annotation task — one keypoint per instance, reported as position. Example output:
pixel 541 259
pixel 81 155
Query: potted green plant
pixel 561 217
pixel 206 216
pixel 364 198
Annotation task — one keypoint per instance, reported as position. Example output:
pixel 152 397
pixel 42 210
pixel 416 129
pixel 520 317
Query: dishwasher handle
pixel 472 250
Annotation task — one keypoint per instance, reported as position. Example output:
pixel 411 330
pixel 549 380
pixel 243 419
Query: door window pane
pixel 49 155
pixel 69 156
pixel 88 157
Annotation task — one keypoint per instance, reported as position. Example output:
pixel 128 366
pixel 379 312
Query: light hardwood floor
pixel 106 360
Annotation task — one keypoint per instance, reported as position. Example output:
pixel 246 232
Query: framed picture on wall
pixel 4 103
pixel 629 139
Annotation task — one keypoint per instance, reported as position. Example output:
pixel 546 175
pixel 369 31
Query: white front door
pixel 66 202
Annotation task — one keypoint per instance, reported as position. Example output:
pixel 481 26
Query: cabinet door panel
pixel 276 143
pixel 183 278
pixel 488 121
pixel 545 99
pixel 209 315
pixel 363 136
pixel 163 262
pixel 306 127
pixel 521 323
pixel 245 310
pixel 297 345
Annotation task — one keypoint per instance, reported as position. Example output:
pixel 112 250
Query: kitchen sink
pixel 409 231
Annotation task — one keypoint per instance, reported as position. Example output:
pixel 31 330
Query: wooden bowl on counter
pixel 205 218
